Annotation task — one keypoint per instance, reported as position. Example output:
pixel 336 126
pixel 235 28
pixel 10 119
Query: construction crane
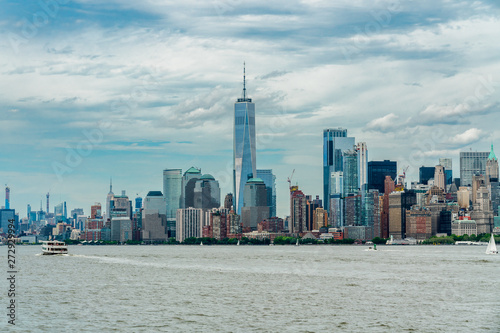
pixel 401 180
pixel 289 180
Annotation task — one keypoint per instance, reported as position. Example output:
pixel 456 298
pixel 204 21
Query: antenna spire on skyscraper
pixel 244 82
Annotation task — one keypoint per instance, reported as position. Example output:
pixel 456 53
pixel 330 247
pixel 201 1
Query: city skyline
pixel 145 90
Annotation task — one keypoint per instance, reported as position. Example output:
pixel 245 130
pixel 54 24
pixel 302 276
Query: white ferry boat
pixel 54 247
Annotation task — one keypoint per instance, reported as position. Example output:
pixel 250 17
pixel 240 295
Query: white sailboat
pixel 238 242
pixel 297 244
pixel 201 243
pixel 492 247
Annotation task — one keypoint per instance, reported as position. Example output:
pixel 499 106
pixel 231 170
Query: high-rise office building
pixel 121 206
pixel 206 192
pixel 447 163
pixel 335 142
pixel 351 180
pixel 336 202
pixel 270 180
pixel 426 174
pixel 377 170
pixel 472 164
pixel 5 216
pixel 362 151
pixel 154 219
pixel 244 150
pixel 172 191
pixel 255 208
pixel 188 183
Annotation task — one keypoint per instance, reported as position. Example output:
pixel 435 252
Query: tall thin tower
pixel 48 196
pixel 244 155
pixel 7 197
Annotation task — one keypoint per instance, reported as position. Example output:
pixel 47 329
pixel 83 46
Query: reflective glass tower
pixel 335 142
pixel 243 146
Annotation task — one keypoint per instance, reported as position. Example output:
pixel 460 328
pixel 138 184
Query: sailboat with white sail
pixel 492 247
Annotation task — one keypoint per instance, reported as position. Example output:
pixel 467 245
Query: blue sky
pixel 126 89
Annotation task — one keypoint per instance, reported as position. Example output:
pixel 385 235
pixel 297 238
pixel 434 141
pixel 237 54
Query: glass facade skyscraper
pixel 335 142
pixel 244 167
pixel 270 180
pixel 377 170
pixel 172 191
pixel 472 163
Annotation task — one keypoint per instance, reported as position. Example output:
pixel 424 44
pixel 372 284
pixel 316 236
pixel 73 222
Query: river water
pixel 256 289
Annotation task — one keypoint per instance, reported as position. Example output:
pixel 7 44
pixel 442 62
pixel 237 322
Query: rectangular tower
pixel 335 141
pixel 472 164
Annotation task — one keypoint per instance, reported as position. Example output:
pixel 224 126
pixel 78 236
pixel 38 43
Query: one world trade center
pixel 243 146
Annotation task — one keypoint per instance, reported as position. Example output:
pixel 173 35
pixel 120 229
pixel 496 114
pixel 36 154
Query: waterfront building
pixel 154 217
pixel 335 142
pixel 270 180
pixel 121 228
pixel 399 202
pixel 206 193
pixel 418 223
pixel 272 224
pixel 312 205
pixel 378 170
pixel 244 146
pixel 189 223
pixel 255 207
pixel 464 226
pixel 471 164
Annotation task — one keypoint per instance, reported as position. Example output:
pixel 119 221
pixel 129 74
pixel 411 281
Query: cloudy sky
pixel 124 89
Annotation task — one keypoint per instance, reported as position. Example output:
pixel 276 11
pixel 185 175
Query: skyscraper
pixel 255 208
pixel 377 170
pixel 351 180
pixel 110 197
pixel 472 164
pixel 439 177
pixel 270 180
pixel 492 167
pixel 362 150
pixel 206 192
pixel 335 141
pixel 172 191
pixel 244 167
pixel 188 183
pixel 448 169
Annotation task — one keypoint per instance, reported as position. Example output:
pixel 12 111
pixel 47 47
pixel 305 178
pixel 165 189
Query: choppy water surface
pixel 257 288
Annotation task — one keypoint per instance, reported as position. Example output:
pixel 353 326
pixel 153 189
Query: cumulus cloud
pixel 383 124
pixel 468 137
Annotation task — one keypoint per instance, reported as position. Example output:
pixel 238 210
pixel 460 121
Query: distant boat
pixel 297 244
pixel 201 243
pixel 492 247
pixel 238 242
pixel 54 247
